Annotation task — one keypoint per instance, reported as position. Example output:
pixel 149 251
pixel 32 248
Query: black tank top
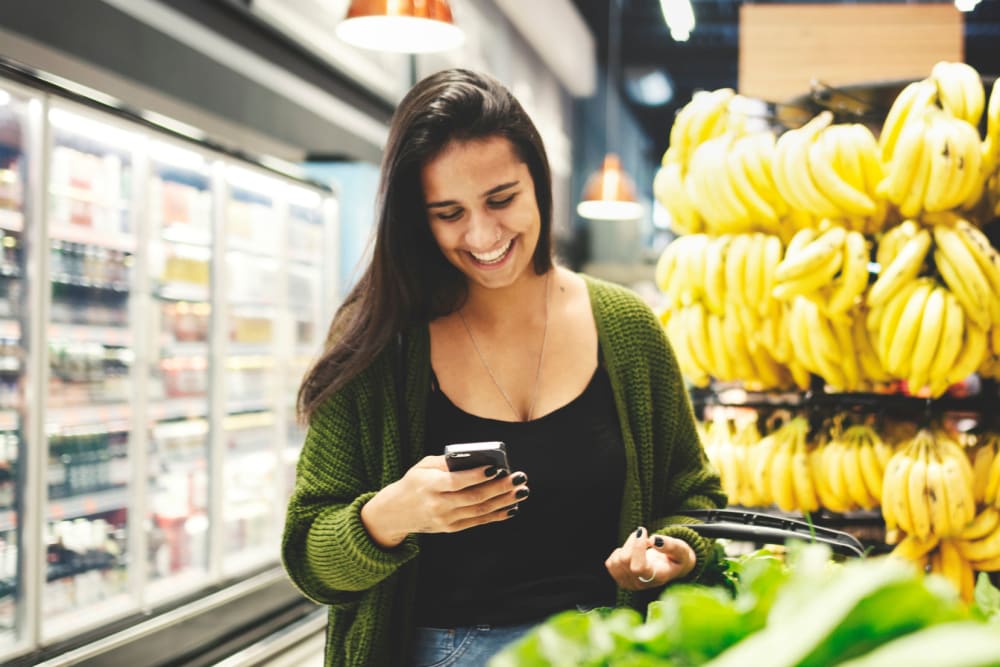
pixel 550 556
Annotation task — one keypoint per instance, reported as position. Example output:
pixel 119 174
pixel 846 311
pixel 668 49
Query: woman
pixel 420 565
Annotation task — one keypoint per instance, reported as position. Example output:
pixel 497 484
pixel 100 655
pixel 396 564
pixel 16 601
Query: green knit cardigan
pixel 353 449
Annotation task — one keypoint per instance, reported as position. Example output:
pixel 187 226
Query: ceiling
pixel 708 59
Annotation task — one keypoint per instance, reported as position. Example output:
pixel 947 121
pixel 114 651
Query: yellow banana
pixel 991 493
pixel 957 474
pixel 907 329
pixel 853 275
pixel 985 523
pixel 902 270
pixel 720 353
pixel 956 569
pixel 868 360
pixel 920 514
pixel 816 254
pixel 927 341
pixel 715 273
pixel 987 258
pixel 895 506
pixel 808 283
pixel 971 354
pixel 735 270
pixel 982 549
pixel 753 272
pixel 960 270
pixel 893 240
pixel 857 488
pixel 782 484
pixel 901 172
pixel 738 165
pixel 913 99
pixel 822 156
pixel 890 324
pixel 938 500
pixel 982 460
pixel 949 347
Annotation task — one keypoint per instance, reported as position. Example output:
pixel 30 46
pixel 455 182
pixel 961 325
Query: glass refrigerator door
pixel 88 417
pixel 180 253
pixel 254 242
pixel 13 172
pixel 306 262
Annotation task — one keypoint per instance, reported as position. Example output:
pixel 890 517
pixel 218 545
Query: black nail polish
pixel 512 512
pixel 638 533
pixel 658 541
pixel 491 471
pixel 518 479
pixel 503 473
pixel 521 493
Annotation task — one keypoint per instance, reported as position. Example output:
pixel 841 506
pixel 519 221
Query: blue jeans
pixel 470 646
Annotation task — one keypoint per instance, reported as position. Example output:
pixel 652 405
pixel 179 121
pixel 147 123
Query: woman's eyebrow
pixel 491 191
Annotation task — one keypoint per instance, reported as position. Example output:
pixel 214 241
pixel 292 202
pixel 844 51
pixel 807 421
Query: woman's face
pixel 482 210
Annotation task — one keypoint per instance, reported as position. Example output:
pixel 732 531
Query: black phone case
pixel 477 459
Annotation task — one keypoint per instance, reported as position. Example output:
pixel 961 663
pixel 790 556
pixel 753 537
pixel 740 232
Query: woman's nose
pixel 483 232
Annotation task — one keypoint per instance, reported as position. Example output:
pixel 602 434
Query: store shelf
pixel 70 233
pixel 89 504
pixel 178 408
pixel 179 292
pixel 64 279
pixel 118 413
pixel 86 333
pixel 238 410
pixel 185 233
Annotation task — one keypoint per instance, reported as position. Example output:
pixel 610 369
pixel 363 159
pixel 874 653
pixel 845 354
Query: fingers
pixel 637 554
pixel 679 554
pixel 645 561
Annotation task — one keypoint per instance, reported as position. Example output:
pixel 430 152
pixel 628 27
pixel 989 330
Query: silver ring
pixel 644 580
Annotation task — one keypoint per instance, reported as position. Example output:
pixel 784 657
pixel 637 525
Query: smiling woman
pixel 573 375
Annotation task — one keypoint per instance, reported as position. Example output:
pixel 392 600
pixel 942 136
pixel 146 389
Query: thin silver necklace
pixel 538 370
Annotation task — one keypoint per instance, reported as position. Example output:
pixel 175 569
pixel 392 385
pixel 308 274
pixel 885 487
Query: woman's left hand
pixel 646 561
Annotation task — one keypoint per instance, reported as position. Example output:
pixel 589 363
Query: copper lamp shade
pixel 610 194
pixel 400 26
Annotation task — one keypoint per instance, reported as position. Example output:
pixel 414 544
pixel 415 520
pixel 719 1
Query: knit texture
pixel 352 450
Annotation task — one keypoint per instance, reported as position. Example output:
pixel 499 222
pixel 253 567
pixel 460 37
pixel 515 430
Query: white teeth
pixel 492 257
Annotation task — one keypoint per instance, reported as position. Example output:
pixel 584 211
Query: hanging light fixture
pixel 400 26
pixel 609 193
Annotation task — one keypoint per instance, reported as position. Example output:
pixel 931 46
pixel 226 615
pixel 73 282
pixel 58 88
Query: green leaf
pixel 965 644
pixel 691 622
pixel 986 599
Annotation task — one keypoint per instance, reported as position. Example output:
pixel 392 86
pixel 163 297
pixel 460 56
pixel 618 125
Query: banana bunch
pixel 844 162
pixel 729 181
pixel 680 270
pixel 936 165
pixel 990 368
pixel 928 488
pixel 730 458
pixel 669 191
pixel 986 470
pixel 704 117
pixel 942 557
pixel 933 333
pixel 960 90
pixel 912 102
pixel 991 152
pixel 814 259
pixel 850 468
pixel 979 543
pixel 781 468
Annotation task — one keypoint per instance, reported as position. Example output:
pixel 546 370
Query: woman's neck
pixel 523 302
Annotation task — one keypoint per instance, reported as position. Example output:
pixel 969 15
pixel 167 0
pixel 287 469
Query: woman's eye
pixel 450 216
pixel 500 203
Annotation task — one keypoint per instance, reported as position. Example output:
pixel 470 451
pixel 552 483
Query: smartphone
pixel 466 455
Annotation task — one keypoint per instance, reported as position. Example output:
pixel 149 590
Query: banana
pixel 901 172
pixel 797 166
pixel 957 473
pixel 871 467
pixel 720 353
pixel 988 260
pixel 991 493
pixel 950 346
pixel 893 240
pixel 960 90
pixel 816 254
pixel 669 191
pixel 857 488
pixel 982 460
pixel 753 278
pixel 982 549
pixel 962 273
pixel 914 98
pixel 889 324
pixel 927 341
pixel 912 202
pixel 945 177
pixel 836 188
pixel 772 257
pixel 985 523
pixel 807 284
pixel 715 273
pixel 956 569
pixel 735 270
pixel 902 270
pixel 694 320
pixel 895 506
pixel 665 265
pixel 848 358
pixel 938 500
pixel 734 212
pixel 782 483
pixel 821 484
pixel 916 494
pixel 971 354
pixel 806 499
pixel 907 329
pixel 911 548
pixel 853 275
pixel 868 360
pixel 738 165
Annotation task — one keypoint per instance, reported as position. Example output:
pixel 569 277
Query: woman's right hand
pixel 431 499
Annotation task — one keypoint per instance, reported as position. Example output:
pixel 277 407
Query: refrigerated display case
pixel 159 302
pixel 14 348
pixel 91 227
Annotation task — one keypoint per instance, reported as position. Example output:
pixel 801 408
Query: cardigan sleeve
pixel 326 549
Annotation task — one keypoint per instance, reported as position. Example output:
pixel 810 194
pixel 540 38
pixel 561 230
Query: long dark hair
pixel 408 279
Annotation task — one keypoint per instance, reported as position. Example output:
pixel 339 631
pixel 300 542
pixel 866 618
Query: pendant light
pixel 400 26
pixel 609 193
